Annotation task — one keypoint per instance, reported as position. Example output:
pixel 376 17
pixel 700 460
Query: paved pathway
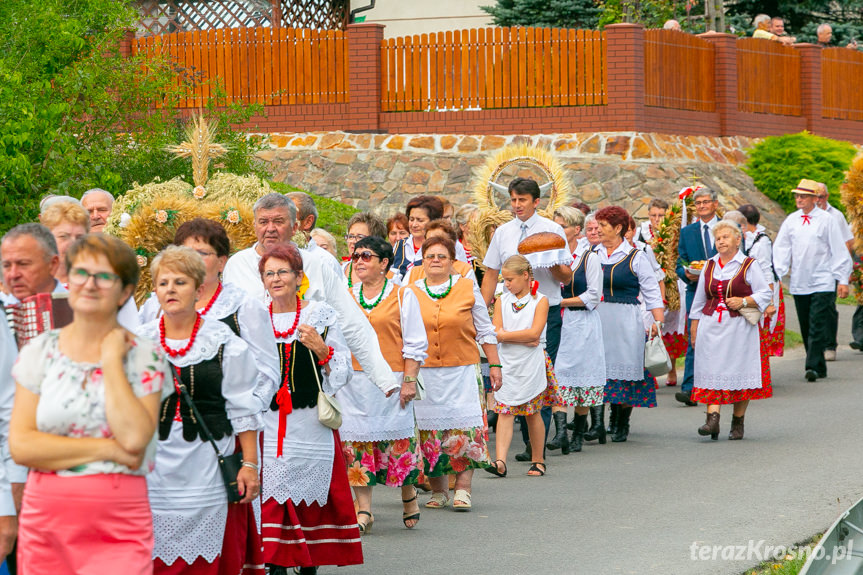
pixel 637 507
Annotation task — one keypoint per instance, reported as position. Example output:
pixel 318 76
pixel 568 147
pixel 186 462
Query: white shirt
pixel 761 251
pixel 504 243
pixel 326 284
pixel 713 221
pixel 814 253
pixel 844 228
pixel 642 268
pixel 761 293
pixel 8 353
pixel 651 257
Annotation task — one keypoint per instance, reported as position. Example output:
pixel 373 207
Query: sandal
pixel 367 526
pixel 535 471
pixel 408 516
pixel 438 500
pixel 461 500
pixel 495 470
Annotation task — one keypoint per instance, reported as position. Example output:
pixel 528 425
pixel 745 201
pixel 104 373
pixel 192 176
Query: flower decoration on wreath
pixel 147 216
pixel 852 199
pixel 554 191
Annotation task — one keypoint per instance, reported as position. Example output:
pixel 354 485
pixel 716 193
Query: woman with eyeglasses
pixel 308 513
pixel 361 225
pixel 225 302
pixel 450 418
pixel 196 529
pixel 380 441
pixel 84 421
pixel 409 252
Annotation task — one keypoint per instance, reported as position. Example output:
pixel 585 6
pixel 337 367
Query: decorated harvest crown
pixel 147 216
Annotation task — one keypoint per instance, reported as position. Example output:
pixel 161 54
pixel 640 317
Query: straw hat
pixel 806 188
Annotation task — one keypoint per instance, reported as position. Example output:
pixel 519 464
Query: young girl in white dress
pixel 528 381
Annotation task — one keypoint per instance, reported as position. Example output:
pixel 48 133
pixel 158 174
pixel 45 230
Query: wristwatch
pixel 409 379
pixel 744 303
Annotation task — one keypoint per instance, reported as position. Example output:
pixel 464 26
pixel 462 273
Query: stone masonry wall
pixel 382 172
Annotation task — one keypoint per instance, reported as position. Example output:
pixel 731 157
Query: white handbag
pixel 656 358
pixel 329 410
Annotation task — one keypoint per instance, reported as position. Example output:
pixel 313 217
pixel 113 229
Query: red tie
pixel 806 219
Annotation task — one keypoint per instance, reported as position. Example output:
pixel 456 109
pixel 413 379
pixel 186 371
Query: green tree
pixel 75 113
pixel 802 17
pixel 545 13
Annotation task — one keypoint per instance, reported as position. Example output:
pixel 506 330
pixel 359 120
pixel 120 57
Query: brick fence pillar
pixel 725 80
pixel 364 77
pixel 810 85
pixel 625 65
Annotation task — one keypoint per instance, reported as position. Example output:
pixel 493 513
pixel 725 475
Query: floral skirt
pixel 675 344
pixel 582 396
pixel 776 336
pixel 393 462
pixel 728 396
pixel 453 451
pixel 641 393
pixel 549 396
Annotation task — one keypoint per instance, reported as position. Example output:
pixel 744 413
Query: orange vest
pixel 386 321
pixel 419 272
pixel 449 326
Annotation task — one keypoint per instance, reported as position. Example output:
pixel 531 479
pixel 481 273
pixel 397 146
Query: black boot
pixel 613 418
pixel 276 569
pixel 524 455
pixel 561 440
pixel 622 431
pixel 491 417
pixel 597 424
pixel 578 434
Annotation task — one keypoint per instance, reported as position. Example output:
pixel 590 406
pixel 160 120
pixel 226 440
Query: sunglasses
pixel 365 256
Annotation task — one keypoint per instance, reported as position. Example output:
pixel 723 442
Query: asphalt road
pixel 638 507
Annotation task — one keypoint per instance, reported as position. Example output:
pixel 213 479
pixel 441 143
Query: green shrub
pixel 777 164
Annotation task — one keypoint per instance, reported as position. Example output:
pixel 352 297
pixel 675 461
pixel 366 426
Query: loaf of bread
pixel 541 242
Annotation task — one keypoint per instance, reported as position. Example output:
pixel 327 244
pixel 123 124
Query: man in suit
pixel 695 244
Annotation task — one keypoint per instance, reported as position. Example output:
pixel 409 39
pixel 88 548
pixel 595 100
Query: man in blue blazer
pixel 695 244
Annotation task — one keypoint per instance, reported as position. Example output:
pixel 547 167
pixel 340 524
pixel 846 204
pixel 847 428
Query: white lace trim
pixel 624 372
pixel 583 380
pixel 341 370
pixel 728 382
pixel 361 434
pixel 482 340
pixel 229 301
pixel 549 258
pixel 444 423
pixel 318 315
pixel 189 536
pixel 302 481
pixel 212 335
pixel 248 422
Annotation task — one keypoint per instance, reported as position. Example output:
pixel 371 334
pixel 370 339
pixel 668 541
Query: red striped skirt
pixel 301 535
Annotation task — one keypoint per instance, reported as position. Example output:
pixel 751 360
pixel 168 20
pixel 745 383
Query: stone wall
pixel 382 172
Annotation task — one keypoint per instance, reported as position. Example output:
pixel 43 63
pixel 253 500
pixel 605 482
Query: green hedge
pixel 778 163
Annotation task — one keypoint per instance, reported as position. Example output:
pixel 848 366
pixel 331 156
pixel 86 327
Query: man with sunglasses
pixel 275 223
pixel 810 246
pixel 695 244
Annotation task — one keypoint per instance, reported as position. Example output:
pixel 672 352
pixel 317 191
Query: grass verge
pixel 790 565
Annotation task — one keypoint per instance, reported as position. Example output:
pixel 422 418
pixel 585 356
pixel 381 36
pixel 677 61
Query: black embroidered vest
pixel 578 285
pixel 233 322
pixel 305 373
pixel 204 382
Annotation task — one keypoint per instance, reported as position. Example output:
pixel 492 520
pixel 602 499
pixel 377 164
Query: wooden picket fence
pixel 768 78
pixel 678 71
pixel 256 65
pixel 842 84
pixel 493 68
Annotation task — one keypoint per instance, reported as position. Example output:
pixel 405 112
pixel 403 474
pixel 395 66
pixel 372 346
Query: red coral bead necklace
pixel 179 352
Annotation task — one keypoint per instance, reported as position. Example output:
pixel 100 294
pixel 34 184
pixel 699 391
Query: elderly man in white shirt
pixel 524 199
pixel 275 222
pixel 809 245
pixel 848 236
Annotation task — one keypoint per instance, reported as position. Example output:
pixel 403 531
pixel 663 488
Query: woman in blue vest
pixel 627 273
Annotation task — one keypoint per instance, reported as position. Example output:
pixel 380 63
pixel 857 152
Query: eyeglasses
pixel 365 256
pixel 703 203
pixel 354 238
pixel 282 273
pixel 204 254
pixel 103 280
pixel 439 257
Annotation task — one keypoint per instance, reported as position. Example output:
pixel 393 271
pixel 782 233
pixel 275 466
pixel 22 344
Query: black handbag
pixel 229 465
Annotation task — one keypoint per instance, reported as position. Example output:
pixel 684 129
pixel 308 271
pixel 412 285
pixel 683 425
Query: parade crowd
pixel 241 419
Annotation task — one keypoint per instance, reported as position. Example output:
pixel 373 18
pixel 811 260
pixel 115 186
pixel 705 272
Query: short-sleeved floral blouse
pixel 72 394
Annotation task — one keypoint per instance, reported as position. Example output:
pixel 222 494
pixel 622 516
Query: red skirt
pixel 726 396
pixel 300 535
pixel 87 524
pixel 242 551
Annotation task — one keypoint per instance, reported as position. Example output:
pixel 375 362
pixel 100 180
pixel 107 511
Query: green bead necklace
pixel 377 301
pixel 438 296
pixel 350 273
